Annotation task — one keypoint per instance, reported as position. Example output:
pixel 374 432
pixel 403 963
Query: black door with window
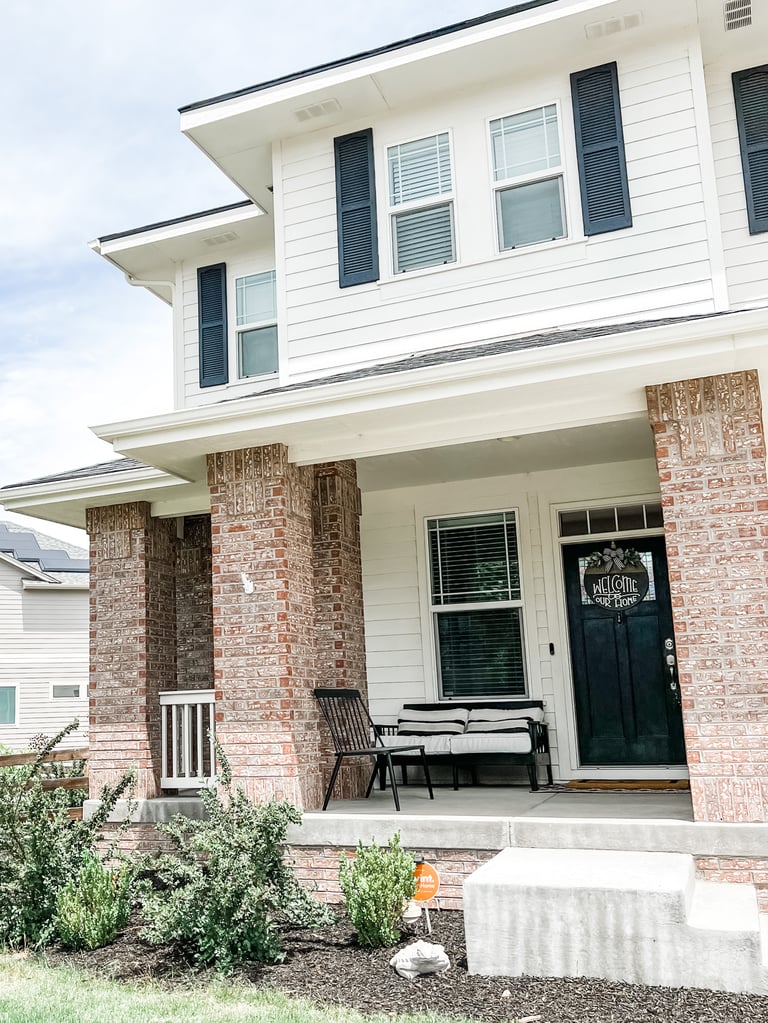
pixel 626 710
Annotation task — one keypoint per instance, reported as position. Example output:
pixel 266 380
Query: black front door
pixel 626 711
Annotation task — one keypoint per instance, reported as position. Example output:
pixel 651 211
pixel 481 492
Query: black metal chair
pixel 355 735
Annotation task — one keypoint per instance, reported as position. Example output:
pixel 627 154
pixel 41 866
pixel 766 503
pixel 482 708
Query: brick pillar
pixel 710 451
pixel 133 641
pixel 263 622
pixel 194 607
pixel 340 631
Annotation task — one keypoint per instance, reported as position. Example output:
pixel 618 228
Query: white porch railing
pixel 187 730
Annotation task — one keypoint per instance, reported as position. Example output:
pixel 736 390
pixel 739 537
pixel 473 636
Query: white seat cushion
pixel 433 744
pixel 491 742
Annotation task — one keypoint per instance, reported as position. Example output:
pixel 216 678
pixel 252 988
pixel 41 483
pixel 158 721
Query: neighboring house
pixel 496 300
pixel 43 637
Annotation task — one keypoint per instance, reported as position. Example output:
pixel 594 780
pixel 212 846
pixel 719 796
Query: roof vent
pixel 325 108
pixel 612 26
pixel 737 13
pixel 220 239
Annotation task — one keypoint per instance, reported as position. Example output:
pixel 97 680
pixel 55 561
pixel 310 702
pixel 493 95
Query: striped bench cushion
pixel 447 721
pixel 492 719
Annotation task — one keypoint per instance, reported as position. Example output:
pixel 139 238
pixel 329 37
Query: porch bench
pixel 467 734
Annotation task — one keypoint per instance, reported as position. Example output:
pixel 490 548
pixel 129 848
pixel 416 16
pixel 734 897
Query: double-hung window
pixel 256 312
pixel 528 177
pixel 421 203
pixel 476 605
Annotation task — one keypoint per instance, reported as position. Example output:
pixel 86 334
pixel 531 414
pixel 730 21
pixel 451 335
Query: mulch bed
pixel 327 966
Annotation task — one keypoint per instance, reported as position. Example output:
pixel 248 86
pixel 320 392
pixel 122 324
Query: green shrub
pixel 41 849
pixel 225 892
pixel 93 908
pixel 376 885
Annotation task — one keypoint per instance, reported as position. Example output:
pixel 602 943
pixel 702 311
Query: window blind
pixel 419 170
pixel 474 559
pixel 423 237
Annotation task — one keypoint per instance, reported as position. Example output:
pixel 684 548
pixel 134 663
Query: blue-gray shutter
pixel 212 324
pixel 600 149
pixel 356 209
pixel 750 90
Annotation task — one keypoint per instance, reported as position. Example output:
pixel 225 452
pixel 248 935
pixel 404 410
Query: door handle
pixel 671 663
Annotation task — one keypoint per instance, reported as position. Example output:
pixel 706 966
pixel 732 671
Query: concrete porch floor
pixel 518 801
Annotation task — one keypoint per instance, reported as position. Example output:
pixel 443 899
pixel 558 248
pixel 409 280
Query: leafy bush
pixel 73 769
pixel 93 908
pixel 376 885
pixel 225 891
pixel 41 849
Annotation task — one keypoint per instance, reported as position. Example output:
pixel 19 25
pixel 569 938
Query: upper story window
pixel 421 201
pixel 255 354
pixel 256 312
pixel 528 177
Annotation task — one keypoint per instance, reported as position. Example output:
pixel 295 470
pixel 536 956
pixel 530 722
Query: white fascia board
pixel 54 584
pixel 170 232
pixel 115 484
pixel 27 569
pixel 517 368
pixel 406 54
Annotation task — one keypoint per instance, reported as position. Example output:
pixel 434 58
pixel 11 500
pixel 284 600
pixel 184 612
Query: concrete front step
pixel 637 917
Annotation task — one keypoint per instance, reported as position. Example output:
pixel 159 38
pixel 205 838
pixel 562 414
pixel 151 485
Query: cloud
pixel 90 146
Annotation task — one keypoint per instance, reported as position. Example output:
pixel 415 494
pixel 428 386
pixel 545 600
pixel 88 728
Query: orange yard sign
pixel 427 882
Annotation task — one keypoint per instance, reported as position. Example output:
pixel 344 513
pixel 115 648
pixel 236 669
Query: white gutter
pixel 54 584
pixel 27 569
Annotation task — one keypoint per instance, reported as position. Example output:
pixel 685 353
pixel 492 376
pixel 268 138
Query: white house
pixel 43 637
pixel 510 280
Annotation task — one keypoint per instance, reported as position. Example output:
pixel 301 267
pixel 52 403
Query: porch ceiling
pixel 626 440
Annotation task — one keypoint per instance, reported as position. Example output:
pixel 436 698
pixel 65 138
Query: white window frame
pixel 57 699
pixel 436 609
pixel 243 328
pixel 393 210
pixel 561 173
pixel 17 715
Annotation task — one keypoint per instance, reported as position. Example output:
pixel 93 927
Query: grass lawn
pixel 31 992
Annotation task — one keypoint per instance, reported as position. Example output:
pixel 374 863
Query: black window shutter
pixel 600 149
pixel 750 90
pixel 356 209
pixel 212 323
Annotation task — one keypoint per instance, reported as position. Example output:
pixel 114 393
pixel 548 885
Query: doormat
pixel 592 785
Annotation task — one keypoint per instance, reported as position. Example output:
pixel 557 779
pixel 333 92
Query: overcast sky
pixel 91 144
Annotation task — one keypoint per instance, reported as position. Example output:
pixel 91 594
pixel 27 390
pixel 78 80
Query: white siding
pixel 659 266
pixel 400 659
pixel 44 640
pixel 746 256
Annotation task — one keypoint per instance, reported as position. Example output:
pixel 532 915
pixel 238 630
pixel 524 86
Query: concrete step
pixel 631 916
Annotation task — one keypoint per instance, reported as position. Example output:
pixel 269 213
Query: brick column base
pixel 710 451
